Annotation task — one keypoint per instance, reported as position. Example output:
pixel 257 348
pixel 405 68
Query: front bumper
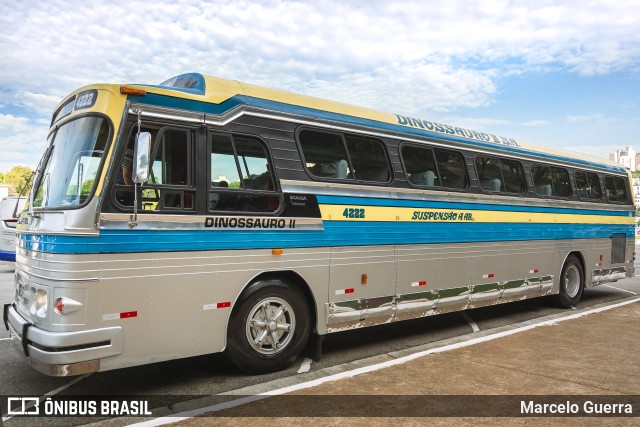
pixel 61 353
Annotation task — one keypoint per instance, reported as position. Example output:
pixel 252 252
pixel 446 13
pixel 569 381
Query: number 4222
pixel 353 213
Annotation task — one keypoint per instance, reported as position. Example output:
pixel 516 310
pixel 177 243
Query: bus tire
pixel 571 284
pixel 268 328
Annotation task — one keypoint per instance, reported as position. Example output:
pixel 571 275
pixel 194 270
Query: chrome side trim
pixel 355 190
pixel 166 113
pixel 371 311
pixel 154 221
pixel 419 304
pixel 453 299
pixel 605 275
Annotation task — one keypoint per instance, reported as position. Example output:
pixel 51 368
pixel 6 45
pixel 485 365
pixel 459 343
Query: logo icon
pixel 23 406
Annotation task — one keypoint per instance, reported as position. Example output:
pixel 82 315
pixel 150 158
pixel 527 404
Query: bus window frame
pixel 48 152
pixel 572 193
pixel 432 148
pixel 177 189
pixel 341 134
pixel 191 149
pixel 600 199
pixel 276 192
pixel 500 193
pixel 625 188
pixel 119 155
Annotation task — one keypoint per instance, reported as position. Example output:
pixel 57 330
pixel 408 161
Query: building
pixel 626 157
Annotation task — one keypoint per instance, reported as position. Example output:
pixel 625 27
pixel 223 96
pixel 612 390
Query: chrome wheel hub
pixel 572 281
pixel 270 326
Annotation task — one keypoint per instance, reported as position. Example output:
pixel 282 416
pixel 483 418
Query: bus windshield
pixel 67 176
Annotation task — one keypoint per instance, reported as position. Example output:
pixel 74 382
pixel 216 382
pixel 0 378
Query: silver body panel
pixel 174 294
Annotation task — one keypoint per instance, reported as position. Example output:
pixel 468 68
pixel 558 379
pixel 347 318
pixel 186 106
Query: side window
pixel 551 181
pixel 498 175
pixel 369 159
pixel 420 166
pixel 614 187
pixel 241 177
pixel 224 169
pixel 429 167
pixel 172 162
pixel 170 185
pixel 344 157
pixel 325 154
pixel 588 186
pixel 452 169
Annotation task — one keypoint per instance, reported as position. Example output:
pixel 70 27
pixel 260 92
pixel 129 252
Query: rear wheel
pixel 571 283
pixel 269 327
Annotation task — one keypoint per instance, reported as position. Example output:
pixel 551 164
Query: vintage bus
pixel 204 215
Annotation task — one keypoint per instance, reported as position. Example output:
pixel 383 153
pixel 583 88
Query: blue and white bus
pixel 204 215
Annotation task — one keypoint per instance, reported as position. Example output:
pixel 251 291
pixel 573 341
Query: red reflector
pixel 535 271
pixel 348 291
pixel 490 275
pixel 128 314
pixel 224 304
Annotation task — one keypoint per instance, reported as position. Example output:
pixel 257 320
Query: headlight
pixel 39 304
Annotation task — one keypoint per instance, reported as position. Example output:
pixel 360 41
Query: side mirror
pixel 141 151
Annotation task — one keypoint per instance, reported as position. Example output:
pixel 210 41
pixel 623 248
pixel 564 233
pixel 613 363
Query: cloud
pixel 414 58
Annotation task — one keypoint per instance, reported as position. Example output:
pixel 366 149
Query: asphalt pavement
pixel 580 369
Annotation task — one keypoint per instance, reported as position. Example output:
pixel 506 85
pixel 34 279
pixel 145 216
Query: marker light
pixel 126 90
pixel 66 305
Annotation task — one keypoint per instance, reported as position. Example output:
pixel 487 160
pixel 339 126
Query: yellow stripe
pixel 400 214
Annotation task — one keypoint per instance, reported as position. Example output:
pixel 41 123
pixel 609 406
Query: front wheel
pixel 571 284
pixel 269 327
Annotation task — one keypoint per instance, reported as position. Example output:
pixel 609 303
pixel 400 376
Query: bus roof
pixel 217 96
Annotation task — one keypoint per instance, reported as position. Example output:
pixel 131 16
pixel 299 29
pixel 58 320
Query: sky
pixel 558 73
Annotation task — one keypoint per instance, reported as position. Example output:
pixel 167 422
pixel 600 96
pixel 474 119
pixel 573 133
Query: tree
pixel 1 178
pixel 19 179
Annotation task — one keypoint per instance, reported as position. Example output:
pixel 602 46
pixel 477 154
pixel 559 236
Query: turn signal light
pixel 59 306
pixel 126 90
pixel 66 305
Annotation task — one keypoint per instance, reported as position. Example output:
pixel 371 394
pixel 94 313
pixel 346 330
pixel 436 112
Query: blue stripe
pixel 362 201
pixel 336 233
pixel 207 107
pixel 7 256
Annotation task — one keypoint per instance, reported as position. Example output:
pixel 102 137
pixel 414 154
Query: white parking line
pixel 52 393
pixel 227 405
pixel 619 289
